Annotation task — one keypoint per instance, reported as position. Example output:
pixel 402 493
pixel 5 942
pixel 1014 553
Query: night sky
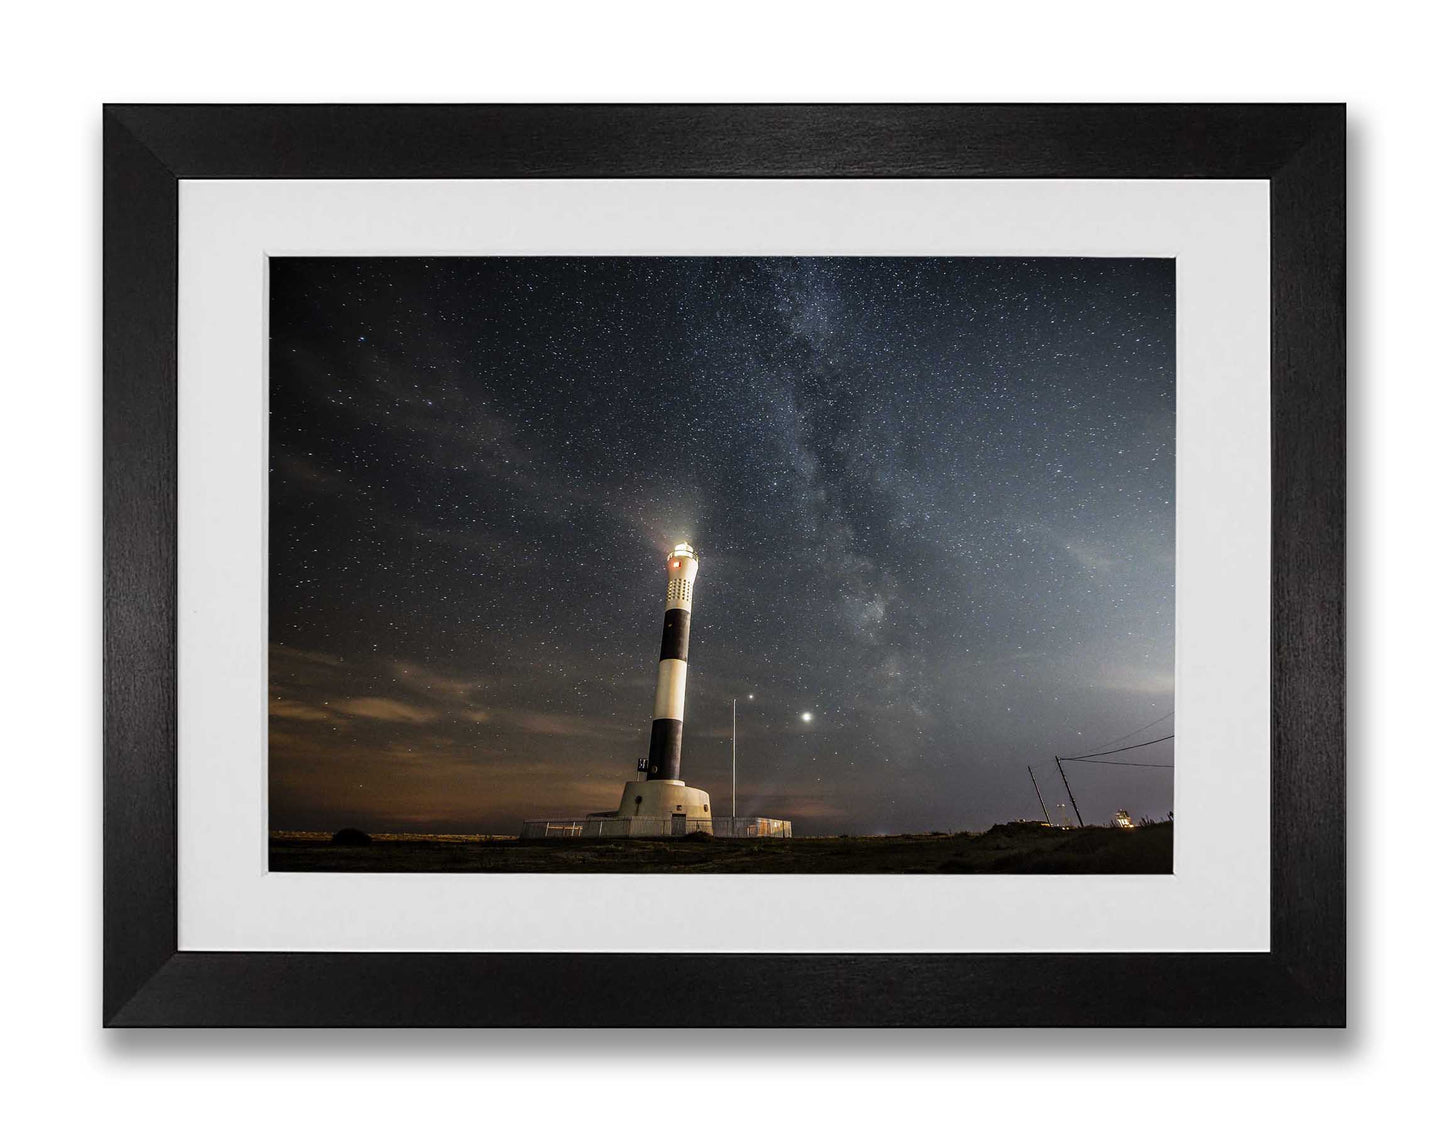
pixel 933 500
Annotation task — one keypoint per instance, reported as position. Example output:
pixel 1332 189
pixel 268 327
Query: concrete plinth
pixel 663 798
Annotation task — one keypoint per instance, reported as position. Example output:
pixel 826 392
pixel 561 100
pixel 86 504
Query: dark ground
pixel 1015 848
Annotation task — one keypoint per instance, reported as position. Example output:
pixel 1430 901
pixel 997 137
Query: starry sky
pixel 933 499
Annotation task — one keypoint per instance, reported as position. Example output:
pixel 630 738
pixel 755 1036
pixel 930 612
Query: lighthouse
pixel 663 794
pixel 660 804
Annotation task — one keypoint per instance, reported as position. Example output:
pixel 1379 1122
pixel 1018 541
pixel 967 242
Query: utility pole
pixel 735 758
pixel 1070 789
pixel 1045 809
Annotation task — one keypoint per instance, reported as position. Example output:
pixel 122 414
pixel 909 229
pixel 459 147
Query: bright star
pixel 807 718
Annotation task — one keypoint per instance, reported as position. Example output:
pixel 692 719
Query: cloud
pixel 1091 557
pixel 425 785
pixel 281 652
pixel 565 724
pixel 295 710
pixel 1135 679
pixel 383 708
pixel 488 448
pixel 431 683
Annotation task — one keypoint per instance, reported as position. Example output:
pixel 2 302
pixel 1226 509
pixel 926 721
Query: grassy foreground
pixel 1015 848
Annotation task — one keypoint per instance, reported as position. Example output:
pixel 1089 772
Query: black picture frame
pixel 1299 149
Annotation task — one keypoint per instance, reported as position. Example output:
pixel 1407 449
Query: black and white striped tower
pixel 661 804
pixel 664 756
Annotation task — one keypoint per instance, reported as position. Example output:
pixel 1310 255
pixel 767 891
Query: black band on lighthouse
pixel 664 755
pixel 676 626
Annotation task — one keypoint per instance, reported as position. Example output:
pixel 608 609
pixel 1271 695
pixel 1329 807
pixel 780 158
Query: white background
pixel 63 60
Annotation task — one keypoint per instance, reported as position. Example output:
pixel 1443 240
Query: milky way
pixel 933 500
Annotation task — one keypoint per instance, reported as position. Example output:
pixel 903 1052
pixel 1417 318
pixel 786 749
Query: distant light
pixel 750 696
pixel 807 718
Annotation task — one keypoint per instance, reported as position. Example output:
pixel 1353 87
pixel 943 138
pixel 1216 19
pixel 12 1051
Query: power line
pixel 1099 754
pixel 1096 757
pixel 1125 736
pixel 1119 763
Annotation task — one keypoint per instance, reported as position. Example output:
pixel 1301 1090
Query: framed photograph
pixel 724 565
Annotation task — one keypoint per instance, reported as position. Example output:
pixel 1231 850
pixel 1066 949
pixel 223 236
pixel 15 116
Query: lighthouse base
pixel 654 808
pixel 664 798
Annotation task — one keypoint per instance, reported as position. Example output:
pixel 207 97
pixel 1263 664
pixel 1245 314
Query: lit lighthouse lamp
pixel 663 794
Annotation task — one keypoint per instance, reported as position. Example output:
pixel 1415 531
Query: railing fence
pixel 666 826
